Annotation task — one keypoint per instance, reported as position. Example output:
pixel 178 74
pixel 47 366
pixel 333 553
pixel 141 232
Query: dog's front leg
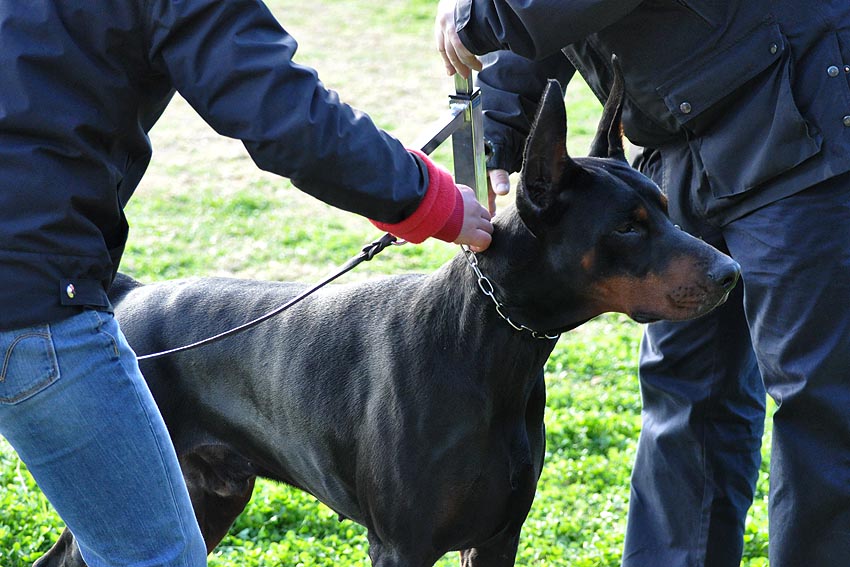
pixel 220 483
pixel 383 555
pixel 64 553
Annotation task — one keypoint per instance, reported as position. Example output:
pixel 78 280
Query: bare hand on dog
pixel 498 185
pixel 477 229
pixel 456 57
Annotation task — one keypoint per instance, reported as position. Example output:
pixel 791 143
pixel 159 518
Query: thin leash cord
pixel 367 253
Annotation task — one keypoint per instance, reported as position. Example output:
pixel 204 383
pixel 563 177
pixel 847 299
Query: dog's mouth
pixel 642 318
pixel 682 310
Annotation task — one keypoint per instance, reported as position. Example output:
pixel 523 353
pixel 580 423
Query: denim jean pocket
pixel 28 365
pixel 107 329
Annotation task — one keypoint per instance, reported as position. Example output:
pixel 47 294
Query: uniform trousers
pixel 785 331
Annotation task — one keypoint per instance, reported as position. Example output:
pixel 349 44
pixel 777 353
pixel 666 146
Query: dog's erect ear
pixel 545 161
pixel 608 142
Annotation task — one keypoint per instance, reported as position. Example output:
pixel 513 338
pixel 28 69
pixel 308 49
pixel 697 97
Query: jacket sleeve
pixel 232 61
pixel 533 28
pixel 511 87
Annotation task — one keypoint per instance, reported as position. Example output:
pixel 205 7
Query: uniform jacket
pixel 738 102
pixel 81 84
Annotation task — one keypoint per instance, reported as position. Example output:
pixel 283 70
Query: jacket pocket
pixel 739 111
pixel 28 365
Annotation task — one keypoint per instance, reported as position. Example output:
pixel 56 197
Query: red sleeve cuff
pixel 439 215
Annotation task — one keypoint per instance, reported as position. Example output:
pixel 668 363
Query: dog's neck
pixel 517 266
pixel 508 361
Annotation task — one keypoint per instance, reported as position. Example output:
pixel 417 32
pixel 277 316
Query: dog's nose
pixel 726 274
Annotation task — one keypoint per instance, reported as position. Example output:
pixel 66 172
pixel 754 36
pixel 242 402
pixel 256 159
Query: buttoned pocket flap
pixel 698 89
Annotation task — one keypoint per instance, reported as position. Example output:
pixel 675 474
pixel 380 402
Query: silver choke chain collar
pixel 487 287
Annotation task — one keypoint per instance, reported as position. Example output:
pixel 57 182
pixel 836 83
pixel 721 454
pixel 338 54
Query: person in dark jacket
pixel 82 84
pixel 741 114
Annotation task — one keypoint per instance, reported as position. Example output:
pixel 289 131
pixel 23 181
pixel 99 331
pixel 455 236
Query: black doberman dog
pixel 413 405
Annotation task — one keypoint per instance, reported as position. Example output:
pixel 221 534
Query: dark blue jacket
pixel 742 101
pixel 81 84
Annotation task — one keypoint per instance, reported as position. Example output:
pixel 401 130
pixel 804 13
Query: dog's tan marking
pixel 677 293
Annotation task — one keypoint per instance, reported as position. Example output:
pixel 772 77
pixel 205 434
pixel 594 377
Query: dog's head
pixel 603 227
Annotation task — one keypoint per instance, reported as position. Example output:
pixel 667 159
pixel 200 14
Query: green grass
pixel 204 209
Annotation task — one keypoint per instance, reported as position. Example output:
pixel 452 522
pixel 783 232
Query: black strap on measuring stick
pixel 367 253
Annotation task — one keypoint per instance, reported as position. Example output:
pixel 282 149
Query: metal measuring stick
pixel 465 124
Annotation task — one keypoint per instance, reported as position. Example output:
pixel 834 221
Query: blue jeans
pixel 786 332
pixel 75 407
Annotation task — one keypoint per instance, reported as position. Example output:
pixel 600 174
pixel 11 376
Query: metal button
pixel 832 71
pixel 71 291
pixel 685 107
pixel 847 68
pixel 847 120
pixel 773 48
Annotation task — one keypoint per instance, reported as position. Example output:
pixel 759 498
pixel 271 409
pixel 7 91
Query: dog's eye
pixel 627 228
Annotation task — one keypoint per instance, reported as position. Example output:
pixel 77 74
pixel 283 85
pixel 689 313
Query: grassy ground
pixel 204 209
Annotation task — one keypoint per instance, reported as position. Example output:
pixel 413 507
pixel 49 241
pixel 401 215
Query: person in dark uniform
pixel 82 84
pixel 741 111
